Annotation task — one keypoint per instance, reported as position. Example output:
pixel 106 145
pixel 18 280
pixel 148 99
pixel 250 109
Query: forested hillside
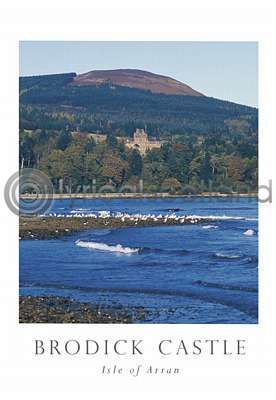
pixel 207 140
pixel 52 101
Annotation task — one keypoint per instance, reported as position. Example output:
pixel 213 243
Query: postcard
pixel 142 212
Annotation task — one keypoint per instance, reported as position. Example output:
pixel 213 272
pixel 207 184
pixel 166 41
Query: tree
pixel 114 168
pixel 235 168
pixel 251 171
pixel 171 185
pixel 74 163
pixel 112 141
pixel 206 168
pixel 92 168
pixel 25 150
pixel 53 164
pixel 89 145
pixel 154 173
pixel 135 163
pixel 194 169
pixel 64 139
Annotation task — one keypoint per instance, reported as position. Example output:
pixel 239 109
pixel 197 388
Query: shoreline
pixel 61 196
pixel 39 228
pixel 58 309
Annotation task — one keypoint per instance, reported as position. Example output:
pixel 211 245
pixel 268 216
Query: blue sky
pixel 225 70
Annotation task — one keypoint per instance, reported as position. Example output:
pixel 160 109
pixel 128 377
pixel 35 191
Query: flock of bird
pixel 124 217
pixel 144 219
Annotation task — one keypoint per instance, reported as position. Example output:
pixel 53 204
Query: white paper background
pixel 26 374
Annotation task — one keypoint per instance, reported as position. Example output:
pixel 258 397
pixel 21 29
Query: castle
pixel 141 142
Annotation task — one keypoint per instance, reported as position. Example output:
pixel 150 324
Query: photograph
pixel 138 182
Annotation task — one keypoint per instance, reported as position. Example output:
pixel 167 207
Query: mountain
pixel 135 78
pixel 117 102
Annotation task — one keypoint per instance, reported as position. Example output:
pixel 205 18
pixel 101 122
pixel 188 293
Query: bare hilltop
pixel 135 78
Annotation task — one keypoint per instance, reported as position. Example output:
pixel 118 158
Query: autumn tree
pixel 171 185
pixel 114 168
pixel 235 167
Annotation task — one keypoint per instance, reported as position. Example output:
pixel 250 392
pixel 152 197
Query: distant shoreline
pixel 61 196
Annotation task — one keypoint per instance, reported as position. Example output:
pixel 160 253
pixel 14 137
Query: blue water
pixel 205 273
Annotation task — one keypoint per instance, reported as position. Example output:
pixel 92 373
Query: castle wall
pixel 141 143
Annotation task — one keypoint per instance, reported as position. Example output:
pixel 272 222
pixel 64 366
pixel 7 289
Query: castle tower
pixel 141 143
pixel 140 136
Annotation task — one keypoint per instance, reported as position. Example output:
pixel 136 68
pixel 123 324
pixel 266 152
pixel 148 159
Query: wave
pixel 105 247
pixel 225 286
pixel 127 250
pixel 209 227
pixel 227 256
pixel 249 232
pixel 252 260
pixel 242 258
pixel 222 217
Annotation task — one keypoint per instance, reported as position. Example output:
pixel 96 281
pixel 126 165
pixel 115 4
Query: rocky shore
pixel 52 309
pixel 53 227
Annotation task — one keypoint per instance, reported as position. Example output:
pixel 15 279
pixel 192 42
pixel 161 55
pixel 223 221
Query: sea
pixel 203 273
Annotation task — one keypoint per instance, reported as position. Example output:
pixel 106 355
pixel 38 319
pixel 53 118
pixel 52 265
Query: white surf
pixel 105 247
pixel 249 232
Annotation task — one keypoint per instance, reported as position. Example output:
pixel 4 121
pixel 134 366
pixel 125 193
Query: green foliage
pixel 50 102
pixel 64 140
pixel 135 163
pixel 209 144
pixel 186 164
pixel 206 168
pixel 112 142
